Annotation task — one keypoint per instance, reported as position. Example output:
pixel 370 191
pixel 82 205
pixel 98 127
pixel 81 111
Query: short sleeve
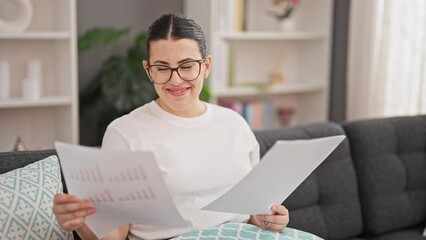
pixel 114 140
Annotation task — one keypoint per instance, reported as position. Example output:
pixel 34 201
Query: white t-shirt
pixel 200 159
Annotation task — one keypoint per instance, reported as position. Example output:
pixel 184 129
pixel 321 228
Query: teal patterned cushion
pixel 247 231
pixel 26 200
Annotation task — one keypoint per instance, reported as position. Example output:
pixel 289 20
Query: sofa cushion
pixel 405 234
pixel 390 160
pixel 26 200
pixel 326 203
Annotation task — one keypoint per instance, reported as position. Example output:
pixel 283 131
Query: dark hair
pixel 175 26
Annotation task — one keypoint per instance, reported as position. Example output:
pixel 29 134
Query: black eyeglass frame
pixel 175 69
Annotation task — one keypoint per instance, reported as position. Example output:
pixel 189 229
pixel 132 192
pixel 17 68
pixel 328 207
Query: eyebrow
pixel 179 62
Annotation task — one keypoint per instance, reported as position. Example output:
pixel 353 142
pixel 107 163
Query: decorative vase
pixel 31 85
pixel 285 115
pixel 288 25
pixel 276 77
pixel 20 19
pixel 30 89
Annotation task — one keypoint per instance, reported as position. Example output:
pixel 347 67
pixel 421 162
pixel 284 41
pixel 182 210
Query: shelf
pixel 246 61
pixel 272 36
pixel 57 35
pixel 42 102
pixel 236 92
pixel 51 39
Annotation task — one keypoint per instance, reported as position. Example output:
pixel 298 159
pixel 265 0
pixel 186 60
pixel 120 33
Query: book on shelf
pixel 261 114
pixel 231 15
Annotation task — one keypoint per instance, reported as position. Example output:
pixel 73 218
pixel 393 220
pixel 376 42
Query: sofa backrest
pixel 14 160
pixel 327 202
pixel 390 160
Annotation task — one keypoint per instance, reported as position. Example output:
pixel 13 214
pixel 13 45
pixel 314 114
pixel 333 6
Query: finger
pixel 273 227
pixel 277 219
pixel 279 209
pixel 64 198
pixel 73 215
pixel 73 224
pixel 72 207
pixel 70 215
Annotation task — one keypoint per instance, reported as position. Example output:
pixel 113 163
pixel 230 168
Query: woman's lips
pixel 178 91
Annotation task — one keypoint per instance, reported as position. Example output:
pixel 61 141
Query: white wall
pixel 199 10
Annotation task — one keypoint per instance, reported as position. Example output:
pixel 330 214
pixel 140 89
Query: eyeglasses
pixel 187 71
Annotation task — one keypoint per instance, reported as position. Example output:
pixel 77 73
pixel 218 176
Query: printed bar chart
pixel 101 197
pixel 95 175
pixel 133 174
pixel 141 194
pixel 88 175
pixel 106 197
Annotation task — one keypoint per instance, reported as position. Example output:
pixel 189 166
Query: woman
pixel 201 149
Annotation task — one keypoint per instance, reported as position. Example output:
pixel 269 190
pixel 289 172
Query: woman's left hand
pixel 275 222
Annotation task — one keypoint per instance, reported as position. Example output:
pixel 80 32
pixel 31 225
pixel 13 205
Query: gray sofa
pixel 373 186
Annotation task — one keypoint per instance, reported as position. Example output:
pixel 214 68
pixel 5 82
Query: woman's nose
pixel 175 78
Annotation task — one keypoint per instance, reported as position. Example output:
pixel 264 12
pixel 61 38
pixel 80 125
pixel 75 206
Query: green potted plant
pixel 121 84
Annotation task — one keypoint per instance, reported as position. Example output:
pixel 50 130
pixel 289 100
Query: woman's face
pixel 178 96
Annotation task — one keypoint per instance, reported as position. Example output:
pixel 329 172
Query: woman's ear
pixel 145 65
pixel 207 66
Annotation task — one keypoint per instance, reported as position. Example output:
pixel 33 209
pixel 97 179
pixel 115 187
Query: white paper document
pixel 282 169
pixel 125 187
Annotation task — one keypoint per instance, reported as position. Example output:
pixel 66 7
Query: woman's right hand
pixel 71 212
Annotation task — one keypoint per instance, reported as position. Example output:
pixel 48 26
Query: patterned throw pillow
pixel 26 200
pixel 234 230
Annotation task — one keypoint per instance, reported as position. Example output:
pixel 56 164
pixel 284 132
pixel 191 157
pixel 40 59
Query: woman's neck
pixel 195 110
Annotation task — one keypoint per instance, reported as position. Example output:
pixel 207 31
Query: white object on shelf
pixel 31 89
pixel 22 19
pixel 4 80
pixel 34 70
pixel 31 85
pixel 288 25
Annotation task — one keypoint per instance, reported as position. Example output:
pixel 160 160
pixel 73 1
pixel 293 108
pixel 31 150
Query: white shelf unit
pixel 239 92
pixel 244 60
pixel 50 38
pixel 272 36
pixel 43 102
pixel 36 36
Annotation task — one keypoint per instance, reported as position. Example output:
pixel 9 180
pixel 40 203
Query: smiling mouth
pixel 178 92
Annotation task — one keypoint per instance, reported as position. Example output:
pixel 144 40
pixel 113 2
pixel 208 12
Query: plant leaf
pixel 100 37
